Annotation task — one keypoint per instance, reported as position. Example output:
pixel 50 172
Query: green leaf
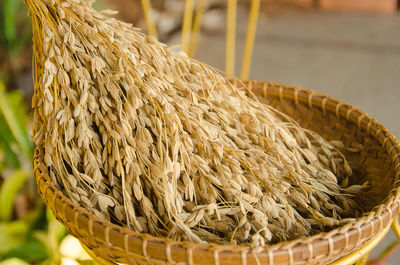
pixel 18 232
pixel 8 242
pixel 17 103
pixel 24 41
pixel 9 13
pixel 8 190
pixel 86 262
pixel 19 227
pixel 48 261
pixel 42 237
pixel 14 124
pixel 31 251
pixel 40 220
pixel 5 133
pixel 14 261
pixel 56 231
pixel 2 158
pixel 6 140
pixel 11 158
pixel 49 215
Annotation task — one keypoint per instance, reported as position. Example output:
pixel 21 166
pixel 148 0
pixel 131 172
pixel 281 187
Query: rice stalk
pixel 147 138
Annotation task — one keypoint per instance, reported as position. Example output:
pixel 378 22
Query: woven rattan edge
pixel 123 245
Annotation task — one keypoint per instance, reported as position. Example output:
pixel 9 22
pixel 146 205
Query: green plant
pixel 30 235
pixel 16 150
pixel 15 35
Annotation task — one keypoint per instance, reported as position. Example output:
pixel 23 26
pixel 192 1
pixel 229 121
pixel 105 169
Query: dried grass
pixel 149 139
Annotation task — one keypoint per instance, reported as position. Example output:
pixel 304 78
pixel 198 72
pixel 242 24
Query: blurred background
pixel 348 49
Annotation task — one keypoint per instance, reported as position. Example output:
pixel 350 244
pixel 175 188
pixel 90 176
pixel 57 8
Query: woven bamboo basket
pixel 331 118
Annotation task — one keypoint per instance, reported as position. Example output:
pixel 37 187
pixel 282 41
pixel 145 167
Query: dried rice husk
pixel 150 139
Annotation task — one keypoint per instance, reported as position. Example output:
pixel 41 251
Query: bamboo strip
pixel 99 260
pixel 359 254
pixel 251 33
pixel 230 38
pixel 151 28
pixel 187 25
pixel 198 19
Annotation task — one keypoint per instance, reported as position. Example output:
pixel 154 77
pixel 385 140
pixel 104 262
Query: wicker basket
pixel 330 118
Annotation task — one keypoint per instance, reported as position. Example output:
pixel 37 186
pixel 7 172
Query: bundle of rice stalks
pixel 155 141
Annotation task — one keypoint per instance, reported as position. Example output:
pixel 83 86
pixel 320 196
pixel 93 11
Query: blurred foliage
pixel 15 38
pixel 29 233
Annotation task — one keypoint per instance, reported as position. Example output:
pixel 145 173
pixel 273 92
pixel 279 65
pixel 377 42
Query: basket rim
pixel 122 244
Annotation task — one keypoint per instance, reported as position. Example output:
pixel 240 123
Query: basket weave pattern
pixel 329 117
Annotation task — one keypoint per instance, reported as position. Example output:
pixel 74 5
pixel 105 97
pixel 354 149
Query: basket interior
pixel 371 164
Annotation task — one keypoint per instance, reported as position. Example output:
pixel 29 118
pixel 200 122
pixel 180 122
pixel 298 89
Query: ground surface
pixel 353 57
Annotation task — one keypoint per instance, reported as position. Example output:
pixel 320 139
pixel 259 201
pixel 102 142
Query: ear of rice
pixel 150 139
